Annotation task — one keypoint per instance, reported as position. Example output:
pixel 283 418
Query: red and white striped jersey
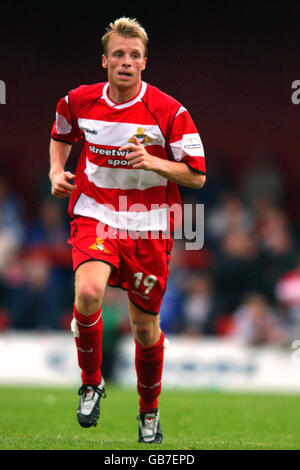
pixel 108 188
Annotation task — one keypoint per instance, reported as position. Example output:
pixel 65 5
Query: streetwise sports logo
pixel 113 153
pixel 2 92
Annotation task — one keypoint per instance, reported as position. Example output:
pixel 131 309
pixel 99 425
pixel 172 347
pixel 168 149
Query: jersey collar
pixel 127 103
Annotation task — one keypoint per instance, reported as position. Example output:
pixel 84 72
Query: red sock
pixel 149 366
pixel 88 338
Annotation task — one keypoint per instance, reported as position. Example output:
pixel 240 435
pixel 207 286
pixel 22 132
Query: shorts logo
pixel 99 245
pixel 141 136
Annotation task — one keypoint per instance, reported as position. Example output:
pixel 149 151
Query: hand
pixel 60 186
pixel 138 157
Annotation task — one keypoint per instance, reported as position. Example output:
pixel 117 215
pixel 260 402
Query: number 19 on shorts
pixel 144 281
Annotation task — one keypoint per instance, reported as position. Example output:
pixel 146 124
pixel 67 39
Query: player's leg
pixel 90 282
pixel 149 355
pixel 145 326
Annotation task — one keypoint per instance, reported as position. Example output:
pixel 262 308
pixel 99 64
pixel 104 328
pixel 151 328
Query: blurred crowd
pixel 243 283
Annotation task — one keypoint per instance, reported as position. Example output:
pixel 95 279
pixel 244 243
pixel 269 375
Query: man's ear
pixel 104 61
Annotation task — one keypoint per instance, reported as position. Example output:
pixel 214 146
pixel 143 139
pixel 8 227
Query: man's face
pixel 125 61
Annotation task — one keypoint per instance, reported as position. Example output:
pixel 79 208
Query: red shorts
pixel 139 265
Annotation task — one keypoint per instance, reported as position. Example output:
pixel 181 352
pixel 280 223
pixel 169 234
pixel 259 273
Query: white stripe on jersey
pixel 182 109
pixel 189 145
pixel 118 133
pixel 155 219
pixel 120 178
pixel 62 125
pixel 176 148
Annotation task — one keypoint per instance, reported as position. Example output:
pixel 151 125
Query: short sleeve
pixel 64 127
pixel 185 142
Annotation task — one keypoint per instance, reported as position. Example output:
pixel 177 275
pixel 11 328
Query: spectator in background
pixel 237 270
pixel 277 245
pixel 287 292
pixel 230 214
pixel 48 230
pixel 11 234
pixel 200 310
pixel 269 216
pixel 11 227
pixel 255 322
pixel 31 301
pixel 40 297
pixel 262 181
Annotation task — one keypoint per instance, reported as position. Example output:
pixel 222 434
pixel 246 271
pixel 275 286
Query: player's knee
pixel 88 298
pixel 144 333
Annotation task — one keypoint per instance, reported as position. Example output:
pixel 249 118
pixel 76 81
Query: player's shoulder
pixel 158 99
pixel 85 94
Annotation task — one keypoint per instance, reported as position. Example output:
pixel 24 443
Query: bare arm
pixel 59 154
pixel 178 172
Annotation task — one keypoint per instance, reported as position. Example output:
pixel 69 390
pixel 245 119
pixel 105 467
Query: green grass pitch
pixel 45 419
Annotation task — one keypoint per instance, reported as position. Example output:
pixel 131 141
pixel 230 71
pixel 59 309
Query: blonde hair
pixel 128 27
